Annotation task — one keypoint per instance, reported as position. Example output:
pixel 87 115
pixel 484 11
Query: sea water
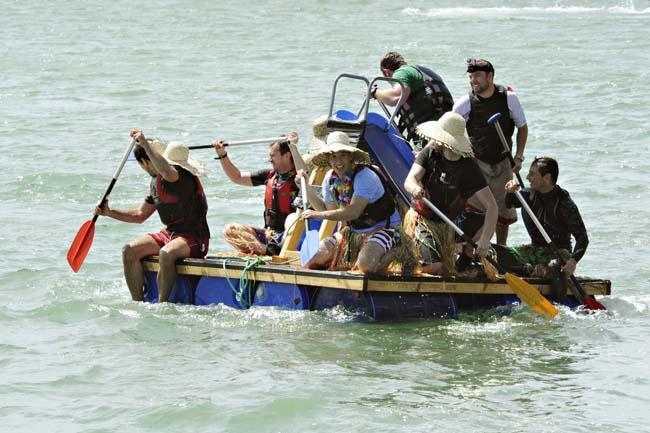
pixel 77 355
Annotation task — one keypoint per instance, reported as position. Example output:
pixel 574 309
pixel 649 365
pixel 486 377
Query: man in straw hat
pixel 280 193
pixel 483 101
pixel 445 172
pixel 176 193
pixel 353 193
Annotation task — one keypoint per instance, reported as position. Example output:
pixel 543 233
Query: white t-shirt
pixel 463 107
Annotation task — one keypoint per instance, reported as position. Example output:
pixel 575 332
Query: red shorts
pixel 198 247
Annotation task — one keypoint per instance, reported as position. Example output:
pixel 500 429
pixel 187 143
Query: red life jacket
pixel 278 200
pixel 182 212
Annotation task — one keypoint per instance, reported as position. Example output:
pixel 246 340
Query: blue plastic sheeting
pixel 387 149
pixel 286 296
pixel 182 292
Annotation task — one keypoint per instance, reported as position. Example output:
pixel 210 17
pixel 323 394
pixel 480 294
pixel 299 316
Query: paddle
pixel 578 291
pixel 494 120
pixel 527 293
pixel 576 288
pixel 309 245
pixel 241 142
pixel 83 241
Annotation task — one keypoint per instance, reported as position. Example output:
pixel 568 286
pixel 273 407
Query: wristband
pixel 224 156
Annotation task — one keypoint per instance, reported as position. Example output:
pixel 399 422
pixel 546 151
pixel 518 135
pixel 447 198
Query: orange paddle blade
pixel 81 245
pixel 531 296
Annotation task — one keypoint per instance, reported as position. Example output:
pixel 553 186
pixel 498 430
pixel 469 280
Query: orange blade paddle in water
pixel 83 241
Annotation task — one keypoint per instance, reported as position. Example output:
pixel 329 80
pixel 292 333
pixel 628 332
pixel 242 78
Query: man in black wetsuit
pixel 560 218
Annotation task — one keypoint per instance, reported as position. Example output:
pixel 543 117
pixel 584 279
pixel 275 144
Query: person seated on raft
pixel 445 173
pixel 175 192
pixel 353 194
pixel 561 219
pixel 281 190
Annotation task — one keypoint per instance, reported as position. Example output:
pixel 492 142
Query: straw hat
pixel 338 141
pixel 178 153
pixel 319 131
pixel 449 132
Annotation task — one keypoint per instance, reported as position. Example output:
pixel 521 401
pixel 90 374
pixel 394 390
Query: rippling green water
pixel 76 355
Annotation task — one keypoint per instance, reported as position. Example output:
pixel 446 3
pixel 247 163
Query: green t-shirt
pixel 409 77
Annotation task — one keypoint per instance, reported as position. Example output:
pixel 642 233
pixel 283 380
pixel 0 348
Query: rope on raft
pixel 244 293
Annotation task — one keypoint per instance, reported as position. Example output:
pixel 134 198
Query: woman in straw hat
pixel 354 194
pixel 445 173
pixel 176 193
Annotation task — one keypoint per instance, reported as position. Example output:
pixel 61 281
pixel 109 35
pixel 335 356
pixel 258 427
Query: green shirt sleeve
pixel 409 77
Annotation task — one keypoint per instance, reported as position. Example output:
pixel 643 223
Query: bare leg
pixel 244 239
pixel 174 250
pixel 132 253
pixel 325 254
pixel 372 258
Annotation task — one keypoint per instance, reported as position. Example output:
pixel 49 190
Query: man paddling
pixel 425 94
pixel 561 219
pixel 482 102
pixel 353 193
pixel 445 173
pixel 281 190
pixel 176 193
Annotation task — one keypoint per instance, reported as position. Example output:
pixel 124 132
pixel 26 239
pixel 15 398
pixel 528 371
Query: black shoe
pixel 463 262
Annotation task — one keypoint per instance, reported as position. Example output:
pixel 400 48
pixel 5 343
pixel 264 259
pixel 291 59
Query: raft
pixel 280 282
pixel 235 283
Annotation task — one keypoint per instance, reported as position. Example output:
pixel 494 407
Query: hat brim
pixel 195 168
pixel 322 158
pixel 459 144
pixel 316 144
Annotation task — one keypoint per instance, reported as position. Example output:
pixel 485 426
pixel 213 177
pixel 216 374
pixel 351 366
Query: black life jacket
pixel 485 140
pixel 429 102
pixel 375 212
pixel 181 211
pixel 441 189
pixel 278 200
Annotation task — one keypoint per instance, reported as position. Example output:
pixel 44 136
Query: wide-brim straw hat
pixel 338 141
pixel 319 134
pixel 178 153
pixel 449 132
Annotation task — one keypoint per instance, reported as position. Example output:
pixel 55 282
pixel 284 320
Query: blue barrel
pixel 217 290
pixel 386 306
pixel 287 296
pixel 182 292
